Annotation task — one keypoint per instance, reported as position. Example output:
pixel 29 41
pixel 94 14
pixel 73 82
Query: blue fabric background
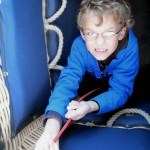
pixel 23 55
pixel 93 138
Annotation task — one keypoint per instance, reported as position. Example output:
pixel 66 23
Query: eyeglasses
pixel 89 35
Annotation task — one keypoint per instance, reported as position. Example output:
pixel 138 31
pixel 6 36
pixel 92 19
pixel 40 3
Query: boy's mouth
pixel 100 50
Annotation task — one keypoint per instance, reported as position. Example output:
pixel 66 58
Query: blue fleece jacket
pixel 122 71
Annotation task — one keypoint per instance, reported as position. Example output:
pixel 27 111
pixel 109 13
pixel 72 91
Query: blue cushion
pixel 67 23
pixel 140 99
pixel 93 138
pixel 23 55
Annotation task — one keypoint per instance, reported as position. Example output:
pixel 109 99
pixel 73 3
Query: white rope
pixel 53 64
pixel 58 67
pixel 59 12
pixel 43 9
pixel 128 111
pixel 44 22
pixel 60 46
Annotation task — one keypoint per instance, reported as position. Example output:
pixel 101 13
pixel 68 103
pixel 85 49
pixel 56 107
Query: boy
pixel 107 49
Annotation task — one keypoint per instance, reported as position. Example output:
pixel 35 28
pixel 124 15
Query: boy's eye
pixel 108 34
pixel 89 33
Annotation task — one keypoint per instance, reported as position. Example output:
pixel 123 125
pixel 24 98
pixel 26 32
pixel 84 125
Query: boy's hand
pixel 46 142
pixel 77 110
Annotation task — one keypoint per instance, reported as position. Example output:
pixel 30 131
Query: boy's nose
pixel 100 40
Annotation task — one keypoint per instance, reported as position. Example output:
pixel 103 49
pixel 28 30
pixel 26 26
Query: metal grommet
pixel 34 117
pixel 5 74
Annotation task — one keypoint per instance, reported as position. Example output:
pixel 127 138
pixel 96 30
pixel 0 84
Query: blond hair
pixel 120 9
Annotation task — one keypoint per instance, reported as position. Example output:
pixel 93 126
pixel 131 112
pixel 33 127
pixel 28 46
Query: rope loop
pixel 53 64
pixel 60 46
pixel 128 111
pixel 57 14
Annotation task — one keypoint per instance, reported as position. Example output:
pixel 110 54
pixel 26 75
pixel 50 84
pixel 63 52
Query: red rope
pixel 69 121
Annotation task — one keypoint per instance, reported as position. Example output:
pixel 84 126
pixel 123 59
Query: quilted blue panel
pixel 67 23
pixel 23 55
pixel 93 138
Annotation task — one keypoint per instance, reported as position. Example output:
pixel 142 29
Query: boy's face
pixel 102 40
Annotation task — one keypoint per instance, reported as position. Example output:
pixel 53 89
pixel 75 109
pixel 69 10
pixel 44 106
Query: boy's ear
pixel 122 33
pixel 82 35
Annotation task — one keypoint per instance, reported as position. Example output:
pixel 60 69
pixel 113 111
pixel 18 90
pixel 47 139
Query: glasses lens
pixel 90 35
pixel 108 34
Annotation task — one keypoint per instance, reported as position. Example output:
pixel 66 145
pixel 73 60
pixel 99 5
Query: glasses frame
pixel 97 35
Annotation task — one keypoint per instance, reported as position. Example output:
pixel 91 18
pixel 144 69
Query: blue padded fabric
pixel 140 99
pixel 93 138
pixel 67 23
pixel 23 55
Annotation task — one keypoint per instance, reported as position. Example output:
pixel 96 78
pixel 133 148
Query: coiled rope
pixel 128 111
pixel 47 22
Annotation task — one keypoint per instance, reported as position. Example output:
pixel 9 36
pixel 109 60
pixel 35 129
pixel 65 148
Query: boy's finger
pixel 72 107
pixel 73 102
pixel 70 114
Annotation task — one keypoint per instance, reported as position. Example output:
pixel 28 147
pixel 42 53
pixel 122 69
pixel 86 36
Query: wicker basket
pixel 24 140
